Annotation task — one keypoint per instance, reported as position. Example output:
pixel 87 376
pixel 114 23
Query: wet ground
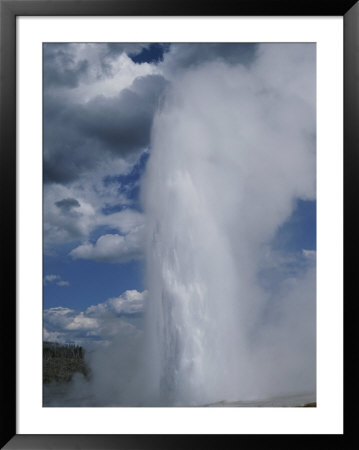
pixel 62 395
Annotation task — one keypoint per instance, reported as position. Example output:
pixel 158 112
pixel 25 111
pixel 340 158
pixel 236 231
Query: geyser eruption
pixel 193 310
pixel 233 148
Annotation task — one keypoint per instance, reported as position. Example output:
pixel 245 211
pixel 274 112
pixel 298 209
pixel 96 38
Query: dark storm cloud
pixel 67 153
pixel 183 56
pixel 67 204
pixel 122 123
pixel 65 65
pixel 77 137
pixel 60 67
pixel 114 49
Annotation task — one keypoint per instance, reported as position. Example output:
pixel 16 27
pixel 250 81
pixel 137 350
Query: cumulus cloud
pixel 72 213
pixel 53 336
pixel 115 248
pixel 59 316
pixel 130 302
pixel 63 283
pixel 67 216
pixel 127 221
pixel 309 254
pixel 68 65
pixel 111 248
pixel 81 322
pixel 61 67
pixel 98 323
pixel 55 279
pixel 52 277
pixel 113 49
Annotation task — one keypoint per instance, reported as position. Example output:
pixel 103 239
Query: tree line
pixel 56 350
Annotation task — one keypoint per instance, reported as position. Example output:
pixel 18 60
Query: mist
pixel 233 148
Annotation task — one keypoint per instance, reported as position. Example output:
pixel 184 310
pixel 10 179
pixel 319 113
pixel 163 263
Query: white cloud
pixel 126 221
pixel 92 194
pixel 77 223
pixel 63 283
pixel 52 277
pixel 105 75
pixel 309 254
pixel 130 302
pixel 81 322
pixel 54 336
pixel 98 323
pixel 55 279
pixel 124 71
pixel 112 248
pixel 64 226
pixel 59 317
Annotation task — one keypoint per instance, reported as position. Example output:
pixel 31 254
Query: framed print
pixel 174 184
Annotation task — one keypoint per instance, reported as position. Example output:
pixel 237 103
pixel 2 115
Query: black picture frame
pixel 9 10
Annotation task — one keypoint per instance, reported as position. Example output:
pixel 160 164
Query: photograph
pixel 179 224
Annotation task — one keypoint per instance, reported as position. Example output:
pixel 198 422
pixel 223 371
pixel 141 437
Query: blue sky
pixel 100 101
pixel 299 231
